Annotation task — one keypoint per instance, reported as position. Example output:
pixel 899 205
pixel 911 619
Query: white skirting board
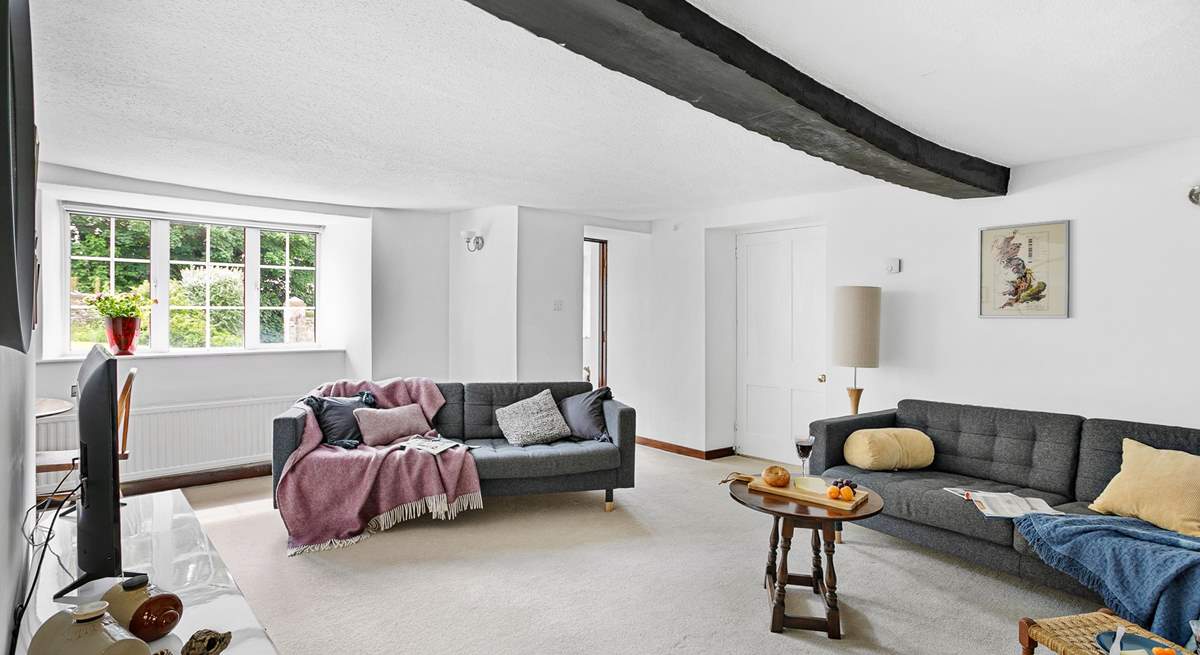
pixel 174 439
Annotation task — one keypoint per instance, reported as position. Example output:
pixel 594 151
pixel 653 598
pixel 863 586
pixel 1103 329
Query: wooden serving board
pixel 810 490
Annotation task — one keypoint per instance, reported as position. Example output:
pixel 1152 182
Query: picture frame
pixel 1024 270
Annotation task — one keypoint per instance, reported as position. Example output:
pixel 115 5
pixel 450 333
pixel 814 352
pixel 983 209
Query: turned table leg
pixel 832 614
pixel 817 574
pixel 774 541
pixel 781 577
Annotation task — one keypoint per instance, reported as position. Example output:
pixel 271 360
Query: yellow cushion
pixel 889 449
pixel 1157 486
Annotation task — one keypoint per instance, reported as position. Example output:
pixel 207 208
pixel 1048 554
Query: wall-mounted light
pixel 1194 195
pixel 473 240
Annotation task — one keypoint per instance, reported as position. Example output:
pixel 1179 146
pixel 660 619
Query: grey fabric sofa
pixel 469 415
pixel 1065 459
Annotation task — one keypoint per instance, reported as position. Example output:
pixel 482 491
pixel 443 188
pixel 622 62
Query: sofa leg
pixel 608 500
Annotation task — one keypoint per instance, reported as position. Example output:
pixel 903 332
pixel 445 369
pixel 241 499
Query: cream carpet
pixel 676 568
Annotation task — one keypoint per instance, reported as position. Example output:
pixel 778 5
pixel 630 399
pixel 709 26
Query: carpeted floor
pixel 676 568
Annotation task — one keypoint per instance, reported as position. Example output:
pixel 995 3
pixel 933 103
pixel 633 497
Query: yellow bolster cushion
pixel 1157 486
pixel 889 449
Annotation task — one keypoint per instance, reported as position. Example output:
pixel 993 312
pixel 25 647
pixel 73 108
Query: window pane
pixel 227 244
pixel 88 277
pixel 187 242
pixel 304 287
pixel 187 328
pixel 131 238
pixel 227 328
pixel 272 247
pixel 187 285
pixel 87 328
pixel 89 235
pixel 303 325
pixel 304 249
pixel 270 323
pixel 132 277
pixel 228 285
pixel 272 291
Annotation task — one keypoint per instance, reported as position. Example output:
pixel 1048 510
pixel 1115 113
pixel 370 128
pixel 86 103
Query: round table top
pixel 43 407
pixel 798 509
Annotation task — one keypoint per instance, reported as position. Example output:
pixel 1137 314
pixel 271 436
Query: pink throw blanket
pixel 331 497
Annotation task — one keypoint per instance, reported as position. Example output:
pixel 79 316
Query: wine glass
pixel 804 447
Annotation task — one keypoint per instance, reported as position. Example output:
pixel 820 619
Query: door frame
pixel 602 310
pixel 739 396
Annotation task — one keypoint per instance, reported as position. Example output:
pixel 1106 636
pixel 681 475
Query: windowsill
pixel 241 352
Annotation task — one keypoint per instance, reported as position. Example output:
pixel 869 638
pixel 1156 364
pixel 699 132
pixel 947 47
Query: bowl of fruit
pixel 841 490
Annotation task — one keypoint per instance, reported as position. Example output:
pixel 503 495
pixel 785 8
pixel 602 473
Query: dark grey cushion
pixel 1038 450
pixel 482 399
pixel 919 496
pixel 449 419
pixel 584 414
pixel 1100 449
pixel 335 415
pixel 496 458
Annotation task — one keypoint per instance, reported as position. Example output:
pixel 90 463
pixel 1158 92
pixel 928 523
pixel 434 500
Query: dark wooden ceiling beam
pixel 676 48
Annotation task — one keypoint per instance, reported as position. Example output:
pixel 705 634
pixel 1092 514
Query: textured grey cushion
pixel 496 458
pixel 919 496
pixel 1037 450
pixel 531 421
pixel 1100 449
pixel 482 399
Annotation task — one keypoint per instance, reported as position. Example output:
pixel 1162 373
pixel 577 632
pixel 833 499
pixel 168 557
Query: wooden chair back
pixel 123 403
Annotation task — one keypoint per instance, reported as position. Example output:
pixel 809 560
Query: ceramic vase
pixel 85 630
pixel 144 609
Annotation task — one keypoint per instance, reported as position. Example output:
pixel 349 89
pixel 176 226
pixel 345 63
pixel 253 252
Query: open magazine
pixel 1003 505
pixel 432 445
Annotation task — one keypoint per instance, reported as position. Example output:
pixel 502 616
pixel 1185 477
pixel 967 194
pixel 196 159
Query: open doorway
pixel 595 311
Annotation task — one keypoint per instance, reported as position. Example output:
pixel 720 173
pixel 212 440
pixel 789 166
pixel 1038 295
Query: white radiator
pixel 178 438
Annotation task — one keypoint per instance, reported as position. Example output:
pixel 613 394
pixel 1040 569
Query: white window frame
pixel 160 269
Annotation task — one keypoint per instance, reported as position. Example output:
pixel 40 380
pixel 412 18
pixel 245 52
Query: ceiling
pixel 437 104
pixel 1014 82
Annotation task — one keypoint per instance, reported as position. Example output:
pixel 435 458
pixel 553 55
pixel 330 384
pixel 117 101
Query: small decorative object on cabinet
pixel 207 642
pixel 1023 271
pixel 85 630
pixel 122 314
pixel 856 332
pixel 144 609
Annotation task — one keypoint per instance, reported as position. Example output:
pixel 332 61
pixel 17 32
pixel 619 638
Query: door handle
pixel 822 378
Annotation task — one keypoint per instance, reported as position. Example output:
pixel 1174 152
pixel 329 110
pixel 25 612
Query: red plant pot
pixel 122 333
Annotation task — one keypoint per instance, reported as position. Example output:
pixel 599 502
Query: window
pixel 227 285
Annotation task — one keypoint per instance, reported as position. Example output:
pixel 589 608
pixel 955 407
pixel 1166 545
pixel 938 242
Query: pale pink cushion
pixel 381 427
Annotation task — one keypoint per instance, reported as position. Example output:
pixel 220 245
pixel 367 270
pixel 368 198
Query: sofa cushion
pixel 584 414
pixel 1074 507
pixel 449 419
pixel 919 496
pixel 1100 449
pixel 1035 450
pixel 482 399
pixel 496 458
pixel 889 449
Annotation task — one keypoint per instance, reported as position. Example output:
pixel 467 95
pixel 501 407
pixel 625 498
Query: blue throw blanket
pixel 1145 574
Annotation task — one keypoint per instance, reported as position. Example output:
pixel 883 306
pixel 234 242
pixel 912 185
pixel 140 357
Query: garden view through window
pixel 209 268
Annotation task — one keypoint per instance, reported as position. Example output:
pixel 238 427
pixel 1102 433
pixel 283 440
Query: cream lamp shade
pixel 856 326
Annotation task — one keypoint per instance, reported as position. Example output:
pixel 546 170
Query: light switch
pixel 893 265
pixel 558 305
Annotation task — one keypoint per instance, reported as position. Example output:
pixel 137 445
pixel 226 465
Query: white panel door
pixel 781 339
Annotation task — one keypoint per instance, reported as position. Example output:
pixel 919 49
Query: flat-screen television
pixel 18 223
pixel 99 506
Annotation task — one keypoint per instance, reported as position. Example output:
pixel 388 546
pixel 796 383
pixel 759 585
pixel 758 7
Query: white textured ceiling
pixel 414 103
pixel 434 103
pixel 1012 81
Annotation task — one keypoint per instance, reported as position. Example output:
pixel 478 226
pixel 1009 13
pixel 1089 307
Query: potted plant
pixel 122 314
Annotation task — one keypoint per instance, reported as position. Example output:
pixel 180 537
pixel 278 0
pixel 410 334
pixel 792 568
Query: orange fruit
pixel 833 492
pixel 847 493
pixel 1163 651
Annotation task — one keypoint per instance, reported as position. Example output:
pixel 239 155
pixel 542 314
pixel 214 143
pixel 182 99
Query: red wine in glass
pixel 804 447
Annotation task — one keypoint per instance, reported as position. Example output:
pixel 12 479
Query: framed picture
pixel 1024 270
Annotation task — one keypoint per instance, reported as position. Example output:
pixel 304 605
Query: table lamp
pixel 856 332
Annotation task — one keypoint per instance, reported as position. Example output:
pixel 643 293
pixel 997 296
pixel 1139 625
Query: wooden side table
pixel 1076 634
pixel 787 515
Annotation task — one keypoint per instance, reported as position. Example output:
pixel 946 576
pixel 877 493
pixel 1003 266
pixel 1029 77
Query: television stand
pixel 88 578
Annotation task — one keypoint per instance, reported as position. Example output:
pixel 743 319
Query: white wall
pixel 1127 352
pixel 410 294
pixel 16 492
pixel 549 295
pixel 483 296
